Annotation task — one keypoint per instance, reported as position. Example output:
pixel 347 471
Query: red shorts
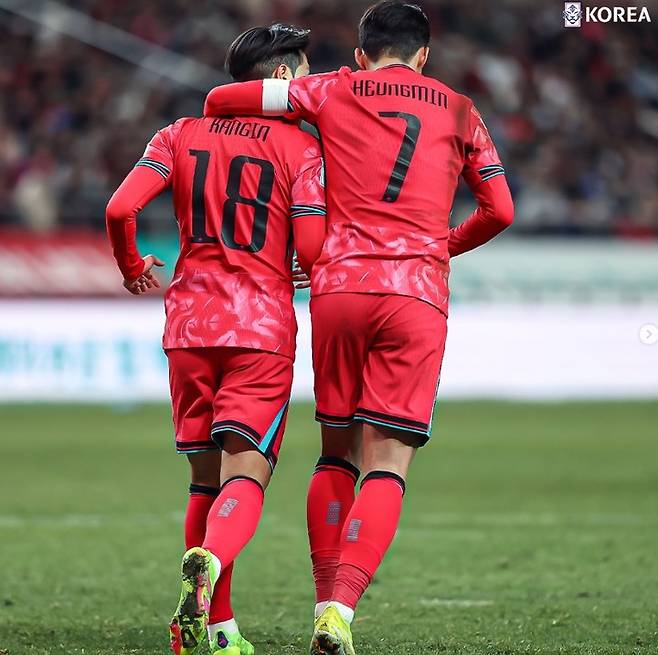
pixel 377 359
pixel 217 390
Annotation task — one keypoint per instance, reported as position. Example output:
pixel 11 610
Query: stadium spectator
pixel 575 112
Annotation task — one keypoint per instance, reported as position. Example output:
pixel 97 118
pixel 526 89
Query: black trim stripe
pixel 379 475
pixel 338 462
pixel 487 172
pixel 184 446
pixel 204 490
pixel 247 478
pixel 247 433
pixel 225 426
pixel 157 166
pixel 389 418
pixel 157 163
pixel 317 207
pixel 307 210
pixel 376 418
pixel 329 418
pixel 309 128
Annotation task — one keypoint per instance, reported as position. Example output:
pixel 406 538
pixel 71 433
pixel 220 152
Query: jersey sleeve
pixel 308 207
pixel 307 191
pixel 159 153
pixel 138 189
pixel 495 210
pixel 494 213
pixel 308 95
pixel 150 176
pixel 482 161
pixel 301 98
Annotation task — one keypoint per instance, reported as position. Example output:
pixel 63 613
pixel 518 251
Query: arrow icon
pixel 649 334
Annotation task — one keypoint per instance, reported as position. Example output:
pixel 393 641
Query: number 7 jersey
pixel 237 186
pixel 395 144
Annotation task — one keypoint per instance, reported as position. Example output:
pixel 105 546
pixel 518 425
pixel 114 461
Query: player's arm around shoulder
pixel 303 97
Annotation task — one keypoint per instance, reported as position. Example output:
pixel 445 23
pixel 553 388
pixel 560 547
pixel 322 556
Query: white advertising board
pixel 109 351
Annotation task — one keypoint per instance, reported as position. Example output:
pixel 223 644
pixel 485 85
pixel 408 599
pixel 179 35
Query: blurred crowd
pixel 574 112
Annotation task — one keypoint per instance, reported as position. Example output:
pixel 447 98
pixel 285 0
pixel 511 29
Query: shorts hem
pixel 377 418
pixel 245 432
pixel 189 447
pixel 334 421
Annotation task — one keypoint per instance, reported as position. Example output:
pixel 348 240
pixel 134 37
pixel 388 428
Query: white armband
pixel 275 97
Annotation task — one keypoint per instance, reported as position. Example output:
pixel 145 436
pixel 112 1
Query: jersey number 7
pixel 233 199
pixel 407 149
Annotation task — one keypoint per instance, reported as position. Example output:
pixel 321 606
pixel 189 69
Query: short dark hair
pixel 394 28
pixel 257 53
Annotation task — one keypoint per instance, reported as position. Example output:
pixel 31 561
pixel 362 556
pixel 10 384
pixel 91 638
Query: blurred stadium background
pixel 564 295
pixel 531 526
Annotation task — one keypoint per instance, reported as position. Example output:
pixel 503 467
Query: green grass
pixel 528 529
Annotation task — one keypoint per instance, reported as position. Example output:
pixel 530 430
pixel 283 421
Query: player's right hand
pixel 147 279
pixel 299 278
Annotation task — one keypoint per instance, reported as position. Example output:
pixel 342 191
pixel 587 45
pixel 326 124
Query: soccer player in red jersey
pixel 241 189
pixel 395 144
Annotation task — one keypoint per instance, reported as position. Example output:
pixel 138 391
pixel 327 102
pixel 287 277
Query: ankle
pixel 344 610
pixel 227 627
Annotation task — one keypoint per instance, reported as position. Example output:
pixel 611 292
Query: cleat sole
pixel 187 629
pixel 325 643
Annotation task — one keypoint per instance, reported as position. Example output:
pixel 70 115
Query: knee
pixel 205 468
pixel 343 444
pixel 344 454
pixel 241 459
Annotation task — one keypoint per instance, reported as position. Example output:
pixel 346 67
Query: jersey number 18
pixel 233 199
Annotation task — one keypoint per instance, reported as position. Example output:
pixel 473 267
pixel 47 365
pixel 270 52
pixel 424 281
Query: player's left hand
pixel 299 278
pixel 147 279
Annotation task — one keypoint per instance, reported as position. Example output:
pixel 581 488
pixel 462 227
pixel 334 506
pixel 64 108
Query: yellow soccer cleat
pixel 332 634
pixel 188 626
pixel 233 643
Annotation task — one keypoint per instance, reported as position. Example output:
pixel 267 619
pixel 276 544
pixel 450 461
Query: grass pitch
pixel 528 529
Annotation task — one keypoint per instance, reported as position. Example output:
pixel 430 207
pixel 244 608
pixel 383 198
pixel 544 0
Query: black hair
pixel 394 28
pixel 258 52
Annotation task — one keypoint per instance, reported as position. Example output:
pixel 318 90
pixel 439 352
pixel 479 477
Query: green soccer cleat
pixel 233 643
pixel 187 629
pixel 332 634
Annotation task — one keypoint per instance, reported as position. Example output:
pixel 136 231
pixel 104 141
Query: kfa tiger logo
pixel 572 14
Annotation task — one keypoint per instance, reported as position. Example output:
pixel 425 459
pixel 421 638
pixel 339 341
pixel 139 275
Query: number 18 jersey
pixel 395 144
pixel 237 184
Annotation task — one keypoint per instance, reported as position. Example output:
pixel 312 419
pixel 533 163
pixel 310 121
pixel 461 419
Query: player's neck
pixel 388 61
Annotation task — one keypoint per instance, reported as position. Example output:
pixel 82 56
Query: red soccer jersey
pixel 395 143
pixel 237 185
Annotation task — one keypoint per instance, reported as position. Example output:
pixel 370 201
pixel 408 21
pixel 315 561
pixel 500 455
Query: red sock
pixel 220 607
pixel 198 505
pixel 232 522
pixel 200 501
pixel 330 498
pixel 367 534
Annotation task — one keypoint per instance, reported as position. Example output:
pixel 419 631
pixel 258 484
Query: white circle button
pixel 649 334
